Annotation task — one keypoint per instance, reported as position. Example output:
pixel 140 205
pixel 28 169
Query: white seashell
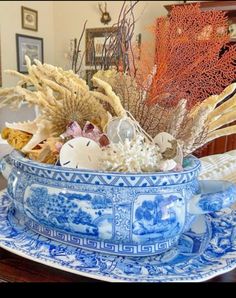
pixel 40 128
pixel 167 165
pixel 163 140
pixel 30 127
pixel 82 153
pixel 43 132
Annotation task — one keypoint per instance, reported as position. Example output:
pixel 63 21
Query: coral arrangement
pixel 193 55
pixel 136 119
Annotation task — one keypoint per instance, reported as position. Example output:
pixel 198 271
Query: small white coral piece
pixel 136 155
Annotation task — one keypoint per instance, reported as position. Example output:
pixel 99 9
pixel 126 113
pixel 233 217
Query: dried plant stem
pixel 77 51
pixel 229 104
pixel 225 119
pixel 178 118
pixel 221 132
pixel 117 46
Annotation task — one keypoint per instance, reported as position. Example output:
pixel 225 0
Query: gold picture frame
pixel 29 18
pixel 94 40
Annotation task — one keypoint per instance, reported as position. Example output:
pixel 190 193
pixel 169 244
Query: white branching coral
pixel 136 155
pixel 62 98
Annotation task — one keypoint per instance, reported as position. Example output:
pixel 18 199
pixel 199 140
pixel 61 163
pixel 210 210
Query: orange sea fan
pixel 144 63
pixel 193 56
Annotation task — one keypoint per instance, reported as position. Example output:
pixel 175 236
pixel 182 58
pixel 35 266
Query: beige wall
pixel 69 18
pixel 10 24
pixel 60 21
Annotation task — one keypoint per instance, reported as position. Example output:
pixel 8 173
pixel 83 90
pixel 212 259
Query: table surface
pixel 17 269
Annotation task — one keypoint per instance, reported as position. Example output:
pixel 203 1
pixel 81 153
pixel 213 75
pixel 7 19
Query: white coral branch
pixel 111 97
pixel 131 156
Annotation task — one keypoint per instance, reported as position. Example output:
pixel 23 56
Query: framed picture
pixel 232 31
pixel 30 46
pixel 88 76
pixel 29 18
pixel 95 39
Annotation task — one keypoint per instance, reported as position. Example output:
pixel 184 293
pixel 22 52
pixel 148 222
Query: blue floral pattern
pixel 207 249
pixel 85 214
pixel 158 218
pixel 215 202
pixel 131 214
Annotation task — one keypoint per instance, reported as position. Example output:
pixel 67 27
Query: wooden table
pixel 17 269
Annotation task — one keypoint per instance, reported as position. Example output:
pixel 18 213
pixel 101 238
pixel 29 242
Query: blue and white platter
pixel 206 250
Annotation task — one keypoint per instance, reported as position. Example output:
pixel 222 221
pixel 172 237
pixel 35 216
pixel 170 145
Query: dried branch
pixel 118 45
pixel 75 52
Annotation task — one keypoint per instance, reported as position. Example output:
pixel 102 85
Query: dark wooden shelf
pixel 228 6
pixel 17 269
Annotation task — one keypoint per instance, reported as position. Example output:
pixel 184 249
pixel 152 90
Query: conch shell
pixel 46 152
pixel 16 138
pixel 40 128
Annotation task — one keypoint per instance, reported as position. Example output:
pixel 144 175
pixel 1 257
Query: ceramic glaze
pixel 115 213
pixel 206 249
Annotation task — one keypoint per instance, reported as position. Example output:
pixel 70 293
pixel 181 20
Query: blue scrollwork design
pixel 200 254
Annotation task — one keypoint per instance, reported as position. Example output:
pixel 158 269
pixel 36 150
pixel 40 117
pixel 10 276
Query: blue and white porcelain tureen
pixel 130 214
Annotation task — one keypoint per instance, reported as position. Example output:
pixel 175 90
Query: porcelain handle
pixel 213 195
pixel 5 166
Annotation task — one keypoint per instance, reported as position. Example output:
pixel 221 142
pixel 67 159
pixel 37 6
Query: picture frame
pixel 31 46
pixel 29 18
pixel 94 40
pixel 232 31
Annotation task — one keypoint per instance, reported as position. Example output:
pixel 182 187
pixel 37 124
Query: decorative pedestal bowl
pixel 130 214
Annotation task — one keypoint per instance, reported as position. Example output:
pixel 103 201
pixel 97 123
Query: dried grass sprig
pixel 205 127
